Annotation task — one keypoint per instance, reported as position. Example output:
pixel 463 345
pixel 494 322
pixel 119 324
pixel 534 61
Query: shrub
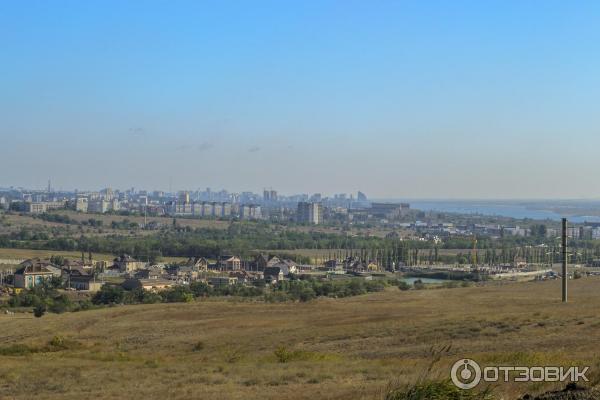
pixel 198 346
pixel 283 355
pixel 179 294
pixel 59 304
pixel 109 294
pixel 57 341
pixel 403 285
pixel 39 310
pixel 16 350
pixel 84 305
pixel 151 297
pixel 201 289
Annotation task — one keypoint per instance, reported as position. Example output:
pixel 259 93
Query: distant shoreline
pixel 577 210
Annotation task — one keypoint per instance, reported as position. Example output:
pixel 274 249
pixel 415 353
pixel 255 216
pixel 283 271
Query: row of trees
pixel 243 238
pixel 294 290
pixel 46 297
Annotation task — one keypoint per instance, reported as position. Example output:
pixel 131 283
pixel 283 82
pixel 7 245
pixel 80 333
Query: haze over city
pixel 400 100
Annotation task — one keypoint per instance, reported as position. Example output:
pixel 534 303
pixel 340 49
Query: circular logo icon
pixel 465 374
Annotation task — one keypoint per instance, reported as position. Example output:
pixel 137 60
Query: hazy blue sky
pixel 442 99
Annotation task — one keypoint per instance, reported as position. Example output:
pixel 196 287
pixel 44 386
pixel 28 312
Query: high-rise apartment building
pixel 311 213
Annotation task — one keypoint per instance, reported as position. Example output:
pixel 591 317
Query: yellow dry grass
pixel 344 348
pixel 18 254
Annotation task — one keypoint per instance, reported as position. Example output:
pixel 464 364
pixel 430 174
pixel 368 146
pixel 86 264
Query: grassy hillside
pixel 351 348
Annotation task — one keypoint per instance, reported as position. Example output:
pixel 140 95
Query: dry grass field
pixel 18 254
pixel 350 348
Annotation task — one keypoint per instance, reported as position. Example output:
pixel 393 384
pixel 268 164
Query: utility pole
pixel 564 260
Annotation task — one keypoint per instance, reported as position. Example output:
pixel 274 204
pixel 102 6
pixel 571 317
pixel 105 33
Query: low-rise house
pixel 146 284
pixel 222 280
pixel 372 266
pixel 333 265
pixel 287 267
pixel 126 263
pixel 85 282
pixel 273 274
pixel 69 272
pixel 197 263
pixel 189 271
pixel 260 262
pixel 184 273
pixel 34 272
pixel 149 273
pixel 357 265
pixel 80 264
pixel 230 263
pixel 240 276
pixel 264 261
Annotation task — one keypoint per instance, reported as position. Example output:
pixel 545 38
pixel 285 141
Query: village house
pixel 229 263
pixel 273 274
pixel 153 272
pixel 75 276
pixel 183 273
pixel 287 266
pixel 197 263
pixel 264 261
pixel 34 272
pixel 357 265
pixel 335 267
pixel 241 276
pixel 80 264
pixel 85 282
pixel 126 263
pixel 86 263
pixel 222 280
pixel 153 285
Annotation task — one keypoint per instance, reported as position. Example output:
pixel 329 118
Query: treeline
pixel 449 276
pixel 308 289
pixel 243 238
pixel 291 290
pixel 46 297
pixel 240 238
pixel 65 219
